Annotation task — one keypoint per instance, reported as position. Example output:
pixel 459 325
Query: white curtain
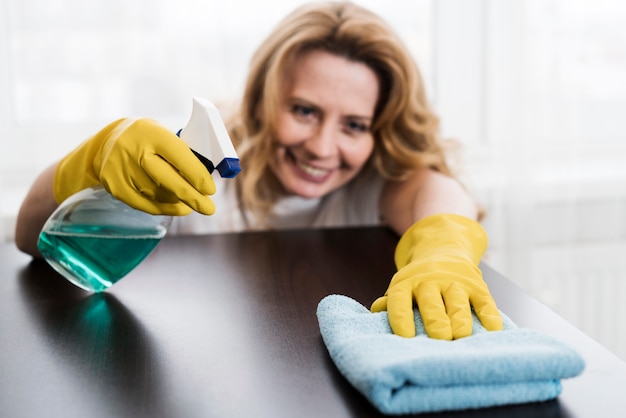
pixel 535 91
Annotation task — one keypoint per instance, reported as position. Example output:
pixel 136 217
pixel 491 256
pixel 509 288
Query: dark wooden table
pixel 225 326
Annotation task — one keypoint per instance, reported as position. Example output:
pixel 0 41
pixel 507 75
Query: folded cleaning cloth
pixel 414 375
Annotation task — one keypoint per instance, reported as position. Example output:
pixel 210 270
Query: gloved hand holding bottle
pixel 113 189
pixel 437 260
pixel 141 163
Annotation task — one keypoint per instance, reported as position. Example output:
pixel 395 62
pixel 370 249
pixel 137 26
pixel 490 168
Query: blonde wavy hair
pixel 404 127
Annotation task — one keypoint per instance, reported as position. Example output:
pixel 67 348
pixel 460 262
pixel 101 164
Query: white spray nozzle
pixel 208 138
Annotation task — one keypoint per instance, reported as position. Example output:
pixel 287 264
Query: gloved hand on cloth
pixel 437 260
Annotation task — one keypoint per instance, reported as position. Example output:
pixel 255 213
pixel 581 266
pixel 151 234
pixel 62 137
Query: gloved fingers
pixel 154 205
pixel 142 183
pixel 195 173
pixel 400 311
pixel 143 137
pixel 176 152
pixel 139 201
pixel 487 311
pixel 162 195
pixel 459 310
pixel 379 304
pixel 166 177
pixel 160 208
pixel 141 193
pixel 433 311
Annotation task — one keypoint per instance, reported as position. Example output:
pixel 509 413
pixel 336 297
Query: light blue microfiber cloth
pixel 415 375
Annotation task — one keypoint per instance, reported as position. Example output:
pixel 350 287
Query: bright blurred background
pixel 535 90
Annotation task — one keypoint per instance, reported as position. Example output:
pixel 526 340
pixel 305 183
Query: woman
pixel 334 129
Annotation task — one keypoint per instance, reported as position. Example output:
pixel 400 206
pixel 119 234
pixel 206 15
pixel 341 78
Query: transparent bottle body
pixel 94 240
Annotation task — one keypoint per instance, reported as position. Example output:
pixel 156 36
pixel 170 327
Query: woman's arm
pixel 35 210
pixel 427 192
pixel 437 259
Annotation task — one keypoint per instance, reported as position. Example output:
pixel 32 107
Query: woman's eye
pixel 357 126
pixel 303 111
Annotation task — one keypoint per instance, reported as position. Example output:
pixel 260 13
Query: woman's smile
pixel 307 170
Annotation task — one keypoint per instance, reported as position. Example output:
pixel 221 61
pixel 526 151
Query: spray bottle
pixel 94 240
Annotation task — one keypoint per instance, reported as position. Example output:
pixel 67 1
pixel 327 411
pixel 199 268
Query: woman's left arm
pixel 427 192
pixel 437 258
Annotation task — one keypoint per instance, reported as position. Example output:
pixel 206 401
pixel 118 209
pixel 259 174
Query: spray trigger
pixel 208 139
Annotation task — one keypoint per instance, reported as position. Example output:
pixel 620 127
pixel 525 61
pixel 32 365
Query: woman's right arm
pixel 35 210
pixel 137 160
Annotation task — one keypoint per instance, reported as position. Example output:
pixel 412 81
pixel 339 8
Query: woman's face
pixel 324 123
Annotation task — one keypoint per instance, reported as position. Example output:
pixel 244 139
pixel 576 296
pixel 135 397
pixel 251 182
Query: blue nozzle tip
pixel 229 167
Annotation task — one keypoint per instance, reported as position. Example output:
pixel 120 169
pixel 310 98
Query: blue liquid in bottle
pixel 95 260
pixel 94 240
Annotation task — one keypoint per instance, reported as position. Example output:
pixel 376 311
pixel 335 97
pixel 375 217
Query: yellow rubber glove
pixel 437 260
pixel 141 163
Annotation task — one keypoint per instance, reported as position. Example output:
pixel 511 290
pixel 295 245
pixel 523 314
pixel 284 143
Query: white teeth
pixel 311 171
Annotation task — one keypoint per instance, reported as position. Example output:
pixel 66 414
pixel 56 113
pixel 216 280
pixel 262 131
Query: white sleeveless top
pixel 356 204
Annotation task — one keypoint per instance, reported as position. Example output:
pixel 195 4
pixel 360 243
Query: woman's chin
pixel 307 194
pixel 306 191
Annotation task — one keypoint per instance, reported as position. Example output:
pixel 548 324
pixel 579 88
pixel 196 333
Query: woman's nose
pixel 324 141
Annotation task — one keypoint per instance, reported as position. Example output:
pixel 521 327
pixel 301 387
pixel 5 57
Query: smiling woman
pixel 63 76
pixel 342 64
pixel 323 128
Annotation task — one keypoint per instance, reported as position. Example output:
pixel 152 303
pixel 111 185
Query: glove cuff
pixel 76 170
pixel 448 232
pixel 71 176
